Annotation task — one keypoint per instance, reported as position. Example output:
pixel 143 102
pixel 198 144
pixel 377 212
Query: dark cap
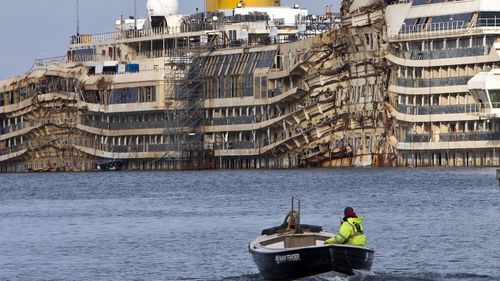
pixel 349 213
pixel 348 210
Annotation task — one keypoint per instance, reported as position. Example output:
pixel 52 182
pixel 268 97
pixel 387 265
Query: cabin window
pixel 495 98
pixel 232 35
pixel 369 41
pixel 421 2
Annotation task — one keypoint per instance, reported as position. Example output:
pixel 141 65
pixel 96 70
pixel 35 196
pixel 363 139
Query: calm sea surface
pixel 425 224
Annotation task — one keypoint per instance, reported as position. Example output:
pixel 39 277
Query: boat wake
pixel 369 276
pixel 246 277
pixel 424 276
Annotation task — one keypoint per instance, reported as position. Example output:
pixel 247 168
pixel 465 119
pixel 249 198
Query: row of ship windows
pixel 425 2
pixel 451 21
pixel 494 97
pixel 115 121
pixel 444 71
pixel 58 85
pixel 131 140
pixel 124 140
pixel 366 93
pixel 221 116
pixel 454 126
pixel 243 111
pixel 245 140
pixel 11 145
pixel 436 100
pixel 50 84
pixel 115 144
pixel 245 86
pixel 124 118
pixel 246 63
pixel 120 96
pixel 462 103
pixel 448 43
pixel 224 116
pixel 459 127
pixel 230 87
pixel 7 122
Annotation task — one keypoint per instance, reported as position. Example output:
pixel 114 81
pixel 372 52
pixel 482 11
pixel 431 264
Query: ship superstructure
pixel 252 84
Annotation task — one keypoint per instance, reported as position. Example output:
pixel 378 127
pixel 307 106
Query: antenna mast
pixel 78 17
pixel 135 14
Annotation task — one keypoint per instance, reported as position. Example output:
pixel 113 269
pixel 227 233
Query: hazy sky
pixel 41 28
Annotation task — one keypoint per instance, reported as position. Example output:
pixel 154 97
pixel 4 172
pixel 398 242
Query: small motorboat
pixel 294 250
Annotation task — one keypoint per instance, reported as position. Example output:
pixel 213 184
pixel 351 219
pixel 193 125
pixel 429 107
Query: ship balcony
pixel 440 29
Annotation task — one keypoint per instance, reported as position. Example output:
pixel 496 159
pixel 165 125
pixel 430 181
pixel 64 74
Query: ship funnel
pixel 162 7
pixel 214 5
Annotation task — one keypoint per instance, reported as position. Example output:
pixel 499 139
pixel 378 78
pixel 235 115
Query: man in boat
pixel 351 230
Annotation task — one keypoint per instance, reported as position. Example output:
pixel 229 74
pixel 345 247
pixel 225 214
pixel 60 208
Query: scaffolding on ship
pixel 184 97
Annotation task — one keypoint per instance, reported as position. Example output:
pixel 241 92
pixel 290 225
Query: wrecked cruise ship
pixel 254 84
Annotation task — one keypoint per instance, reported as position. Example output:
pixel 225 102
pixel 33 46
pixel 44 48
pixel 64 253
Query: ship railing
pixel 82 39
pixel 142 33
pixel 442 28
pixel 433 82
pixel 448 53
pixel 433 27
pixel 12 149
pixel 154 54
pixel 11 128
pixel 234 145
pixel 46 62
pixel 145 147
pixel 127 57
pixel 439 109
pixel 495 104
pixel 488 22
pixel 484 135
pixel 122 35
pixel 240 120
pixel 151 54
pixel 125 125
pixel 36 123
pixel 153 69
pixel 470 136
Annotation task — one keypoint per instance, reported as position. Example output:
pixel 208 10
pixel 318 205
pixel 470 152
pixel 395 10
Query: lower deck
pixel 450 158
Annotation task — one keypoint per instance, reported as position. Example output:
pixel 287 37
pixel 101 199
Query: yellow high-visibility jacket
pixel 350 232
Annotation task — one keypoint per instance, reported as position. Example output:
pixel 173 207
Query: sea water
pixel 424 224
